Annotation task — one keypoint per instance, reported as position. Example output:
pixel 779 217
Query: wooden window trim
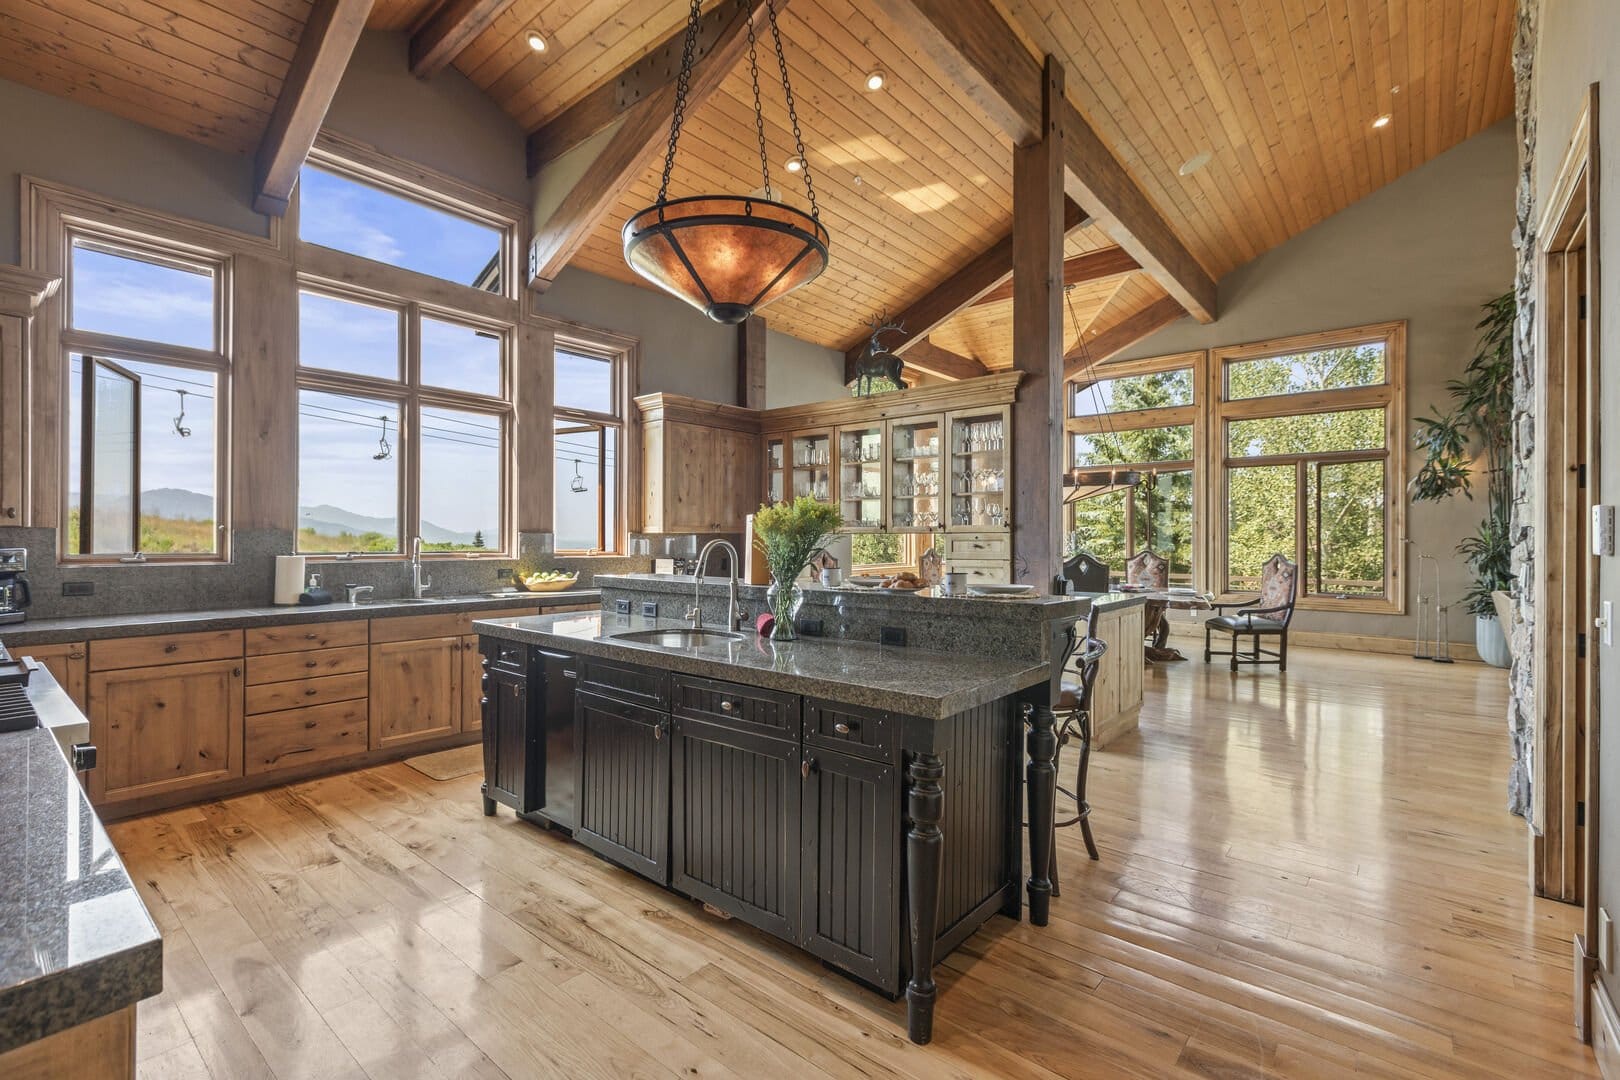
pixel 621 353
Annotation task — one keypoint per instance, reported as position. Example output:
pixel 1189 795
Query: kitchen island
pixel 861 801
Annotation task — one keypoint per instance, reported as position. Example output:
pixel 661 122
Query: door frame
pixel 1568 397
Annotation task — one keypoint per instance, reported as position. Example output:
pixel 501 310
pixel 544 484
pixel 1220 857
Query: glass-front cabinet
pixel 979 454
pixel 916 480
pixel 860 476
pixel 812 473
pixel 775 471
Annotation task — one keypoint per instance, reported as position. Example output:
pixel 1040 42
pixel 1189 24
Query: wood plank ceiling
pixel 1281 94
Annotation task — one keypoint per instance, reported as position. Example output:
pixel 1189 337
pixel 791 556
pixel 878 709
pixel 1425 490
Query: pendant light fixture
pixel 729 255
pixel 1089 482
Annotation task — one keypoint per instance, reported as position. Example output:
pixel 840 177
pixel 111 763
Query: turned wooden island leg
pixel 925 844
pixel 1040 777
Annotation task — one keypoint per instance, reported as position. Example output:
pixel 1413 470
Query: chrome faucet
pixel 696 614
pixel 419 584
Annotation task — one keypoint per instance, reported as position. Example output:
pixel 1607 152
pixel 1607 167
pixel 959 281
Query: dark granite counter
pixel 908 681
pixel 90 627
pixel 76 941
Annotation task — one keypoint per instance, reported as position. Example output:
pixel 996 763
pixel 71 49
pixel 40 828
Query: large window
pixel 143 348
pixel 589 401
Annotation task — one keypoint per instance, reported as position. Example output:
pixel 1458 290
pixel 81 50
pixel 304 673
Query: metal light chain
pixel 681 83
pixel 759 113
pixel 793 114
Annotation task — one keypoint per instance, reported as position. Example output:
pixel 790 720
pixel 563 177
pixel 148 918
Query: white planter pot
pixel 1490 641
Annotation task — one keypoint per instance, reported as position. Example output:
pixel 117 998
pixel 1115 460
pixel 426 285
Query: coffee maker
pixel 14 595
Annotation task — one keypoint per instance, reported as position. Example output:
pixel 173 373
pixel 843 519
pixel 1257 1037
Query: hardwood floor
pixel 1301 875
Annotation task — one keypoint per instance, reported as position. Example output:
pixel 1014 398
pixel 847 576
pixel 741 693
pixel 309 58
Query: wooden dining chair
pixel 1268 615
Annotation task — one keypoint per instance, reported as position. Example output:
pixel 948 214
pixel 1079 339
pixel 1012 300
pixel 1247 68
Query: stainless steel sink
pixel 679 637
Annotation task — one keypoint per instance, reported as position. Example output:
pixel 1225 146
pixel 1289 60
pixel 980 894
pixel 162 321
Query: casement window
pixel 406 336
pixel 147 381
pixel 590 399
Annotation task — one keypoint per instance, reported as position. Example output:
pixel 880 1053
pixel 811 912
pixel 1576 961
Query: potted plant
pixel 1479 424
pixel 788 535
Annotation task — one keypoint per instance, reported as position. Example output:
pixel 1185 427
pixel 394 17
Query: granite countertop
pixel 76 941
pixel 89 627
pixel 912 682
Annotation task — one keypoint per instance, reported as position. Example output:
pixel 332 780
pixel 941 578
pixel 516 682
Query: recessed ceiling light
pixel 1382 121
pixel 876 80
pixel 794 165
pixel 1194 163
pixel 536 40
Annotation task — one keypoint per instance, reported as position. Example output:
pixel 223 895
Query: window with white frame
pixel 588 409
pixel 148 378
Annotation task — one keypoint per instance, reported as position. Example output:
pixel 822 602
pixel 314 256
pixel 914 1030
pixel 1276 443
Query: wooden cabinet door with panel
pixel 472 690
pixel 66 663
pixel 164 728
pixel 415 690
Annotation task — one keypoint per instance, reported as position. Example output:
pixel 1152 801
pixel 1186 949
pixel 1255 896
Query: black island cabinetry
pixel 877 842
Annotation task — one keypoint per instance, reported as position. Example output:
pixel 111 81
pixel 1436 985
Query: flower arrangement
pixel 789 535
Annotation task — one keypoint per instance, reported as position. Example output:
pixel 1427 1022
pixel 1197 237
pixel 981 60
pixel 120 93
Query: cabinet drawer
pixel 510 656
pixel 302 636
pixel 298 693
pixel 870 733
pixel 283 667
pixel 165 649
pixel 294 737
pixel 744 708
pixel 984 573
pixel 977 546
pixel 447 624
pixel 644 686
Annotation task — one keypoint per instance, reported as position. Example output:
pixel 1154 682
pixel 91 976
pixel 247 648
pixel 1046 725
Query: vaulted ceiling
pixel 1244 121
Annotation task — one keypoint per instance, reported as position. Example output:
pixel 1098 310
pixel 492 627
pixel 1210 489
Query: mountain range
pixel 182 505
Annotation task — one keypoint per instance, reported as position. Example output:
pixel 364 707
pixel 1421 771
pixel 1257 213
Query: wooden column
pixel 1037 414
pixel 751 363
pixel 925 849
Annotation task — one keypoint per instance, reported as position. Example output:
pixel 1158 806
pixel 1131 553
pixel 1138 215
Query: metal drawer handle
pixel 311 637
pixel 808 766
pixel 171 648
pixel 843 728
pixel 312 663
pixel 726 706
pixel 311 692
pixel 569 673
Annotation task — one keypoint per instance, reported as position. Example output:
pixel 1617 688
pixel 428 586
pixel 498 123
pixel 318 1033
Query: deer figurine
pixel 876 361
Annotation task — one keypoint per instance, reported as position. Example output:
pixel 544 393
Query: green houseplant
pixel 1478 425
pixel 788 535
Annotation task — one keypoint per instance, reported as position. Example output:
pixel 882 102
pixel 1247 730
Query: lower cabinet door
pixel 472 690
pixel 622 786
pixel 415 690
pixel 512 767
pixel 161 729
pixel 850 869
pixel 734 830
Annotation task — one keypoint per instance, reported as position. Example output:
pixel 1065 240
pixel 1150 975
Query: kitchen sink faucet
pixel 696 614
pixel 419 584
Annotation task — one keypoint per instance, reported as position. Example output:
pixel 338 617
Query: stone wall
pixel 1521 698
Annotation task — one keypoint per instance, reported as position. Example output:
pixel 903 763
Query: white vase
pixel 1490 641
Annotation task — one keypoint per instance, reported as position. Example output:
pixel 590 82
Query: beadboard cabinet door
pixel 415 690
pixel 622 780
pixel 165 728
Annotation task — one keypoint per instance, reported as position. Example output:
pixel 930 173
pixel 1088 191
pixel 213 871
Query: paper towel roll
pixel 289 578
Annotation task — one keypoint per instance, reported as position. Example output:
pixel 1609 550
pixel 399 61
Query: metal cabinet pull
pixel 171 648
pixel 726 706
pixel 569 673
pixel 808 766
pixel 842 728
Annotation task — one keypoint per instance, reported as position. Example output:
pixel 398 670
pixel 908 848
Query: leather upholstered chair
pixel 1086 573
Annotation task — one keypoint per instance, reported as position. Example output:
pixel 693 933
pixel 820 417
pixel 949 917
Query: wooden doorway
pixel 1565 851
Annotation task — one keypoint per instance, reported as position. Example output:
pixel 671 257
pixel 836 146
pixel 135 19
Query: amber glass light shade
pixel 726 255
pixel 1089 483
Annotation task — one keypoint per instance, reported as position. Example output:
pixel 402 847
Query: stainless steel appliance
pixel 30 697
pixel 14 594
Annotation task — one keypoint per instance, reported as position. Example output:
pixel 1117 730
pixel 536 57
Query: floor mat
pixel 449 764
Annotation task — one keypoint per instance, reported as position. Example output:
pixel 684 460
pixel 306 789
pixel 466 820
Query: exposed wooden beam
pixel 323 52
pixel 652 72
pixel 982 273
pixel 925 356
pixel 1092 266
pixel 984 56
pixel 630 149
pixel 1121 336
pixel 751 362
pixel 450 29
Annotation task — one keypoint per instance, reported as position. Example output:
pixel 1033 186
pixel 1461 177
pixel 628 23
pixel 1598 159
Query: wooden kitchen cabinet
pixel 165 728
pixel 415 690
pixel 700 465
pixel 66 663
pixel 472 688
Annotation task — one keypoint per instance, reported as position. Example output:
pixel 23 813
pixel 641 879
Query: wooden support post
pixel 925 848
pixel 751 363
pixel 1037 414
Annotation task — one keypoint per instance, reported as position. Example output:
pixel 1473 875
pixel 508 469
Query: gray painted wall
pixel 1579 44
pixel 1428 248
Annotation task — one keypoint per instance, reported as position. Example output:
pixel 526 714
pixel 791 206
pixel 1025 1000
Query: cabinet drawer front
pixel 977 546
pixel 298 693
pixel 294 737
pixel 447 624
pixel 745 708
pixel 984 573
pixel 510 656
pixel 165 649
pixel 869 733
pixel 644 686
pixel 283 667
pixel 302 636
